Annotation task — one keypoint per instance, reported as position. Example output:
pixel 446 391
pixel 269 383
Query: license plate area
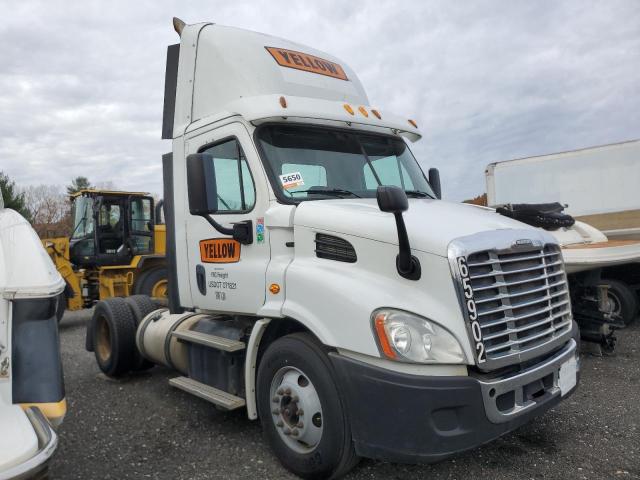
pixel 568 376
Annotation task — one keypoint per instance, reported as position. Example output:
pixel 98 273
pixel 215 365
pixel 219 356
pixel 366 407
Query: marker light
pixel 413 123
pixel 274 288
pixel 363 111
pixel 348 108
pixel 377 114
pixel 283 102
pixel 405 337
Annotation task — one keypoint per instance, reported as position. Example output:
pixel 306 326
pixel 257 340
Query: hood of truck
pixel 431 224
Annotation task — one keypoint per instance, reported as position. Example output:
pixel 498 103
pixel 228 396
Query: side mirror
pixel 434 181
pixel 201 184
pixel 394 200
pixel 203 197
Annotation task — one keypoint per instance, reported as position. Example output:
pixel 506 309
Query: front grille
pixel 522 300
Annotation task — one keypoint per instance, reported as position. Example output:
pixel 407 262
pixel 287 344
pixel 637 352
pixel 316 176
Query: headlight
pixel 405 337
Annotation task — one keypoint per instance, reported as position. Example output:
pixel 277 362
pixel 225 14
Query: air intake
pixel 334 248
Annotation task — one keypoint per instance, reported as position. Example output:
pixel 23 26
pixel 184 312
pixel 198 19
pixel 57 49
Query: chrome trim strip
pixel 492 389
pixel 47 444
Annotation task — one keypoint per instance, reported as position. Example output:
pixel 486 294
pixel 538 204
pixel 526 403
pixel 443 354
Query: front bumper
pixel 413 419
pixel 35 467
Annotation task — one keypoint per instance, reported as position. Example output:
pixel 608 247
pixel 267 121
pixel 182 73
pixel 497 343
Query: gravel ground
pixel 142 428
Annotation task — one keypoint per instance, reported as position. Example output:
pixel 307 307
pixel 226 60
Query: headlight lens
pixel 406 337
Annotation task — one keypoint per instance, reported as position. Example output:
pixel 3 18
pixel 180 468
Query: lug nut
pixel 280 391
pixel 275 412
pixel 295 398
pixel 275 400
pixel 279 424
pixel 286 431
pixel 300 412
pixel 295 432
pixel 287 391
pixel 300 425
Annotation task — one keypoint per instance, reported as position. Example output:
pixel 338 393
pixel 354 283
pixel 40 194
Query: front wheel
pixel 302 415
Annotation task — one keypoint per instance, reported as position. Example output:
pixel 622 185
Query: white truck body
pixel 27 277
pixel 407 343
pixel 599 185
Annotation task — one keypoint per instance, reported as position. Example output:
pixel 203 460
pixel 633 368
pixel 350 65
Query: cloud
pixel 81 83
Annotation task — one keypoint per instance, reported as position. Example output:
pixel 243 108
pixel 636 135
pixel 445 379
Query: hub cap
pixel 296 410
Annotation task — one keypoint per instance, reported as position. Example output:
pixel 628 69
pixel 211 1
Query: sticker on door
pixel 219 250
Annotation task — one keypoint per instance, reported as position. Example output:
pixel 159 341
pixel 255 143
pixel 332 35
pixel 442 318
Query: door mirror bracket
pixel 394 200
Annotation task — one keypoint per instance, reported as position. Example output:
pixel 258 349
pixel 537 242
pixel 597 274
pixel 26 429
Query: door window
pixel 141 225
pixel 234 185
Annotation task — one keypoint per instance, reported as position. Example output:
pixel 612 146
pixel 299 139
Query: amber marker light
pixel 274 288
pixel 348 108
pixel 363 111
pixel 382 336
pixel 413 123
pixel 283 102
pixel 377 114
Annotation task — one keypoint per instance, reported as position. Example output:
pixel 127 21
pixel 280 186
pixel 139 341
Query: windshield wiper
pixel 418 193
pixel 328 191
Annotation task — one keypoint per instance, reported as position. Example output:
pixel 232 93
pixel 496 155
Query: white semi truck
pixel 317 280
pixel 32 399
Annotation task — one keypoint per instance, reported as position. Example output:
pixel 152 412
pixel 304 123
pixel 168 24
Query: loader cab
pixel 110 228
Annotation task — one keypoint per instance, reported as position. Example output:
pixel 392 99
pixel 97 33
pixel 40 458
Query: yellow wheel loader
pixel 116 248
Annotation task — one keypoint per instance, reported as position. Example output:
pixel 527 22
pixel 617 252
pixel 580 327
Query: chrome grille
pixel 522 300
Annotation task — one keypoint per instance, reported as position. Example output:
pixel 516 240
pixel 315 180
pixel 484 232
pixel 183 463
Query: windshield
pixel 82 217
pixel 310 163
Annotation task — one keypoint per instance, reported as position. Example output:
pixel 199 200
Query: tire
pixel 289 367
pixel 140 306
pixel 624 300
pixel 114 331
pixel 148 279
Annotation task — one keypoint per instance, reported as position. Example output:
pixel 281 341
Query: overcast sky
pixel 81 83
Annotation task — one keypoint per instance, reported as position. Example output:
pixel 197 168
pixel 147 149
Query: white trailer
pixel 32 397
pixel 317 280
pixel 599 185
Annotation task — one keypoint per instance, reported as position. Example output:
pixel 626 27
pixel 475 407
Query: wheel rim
pixel 615 305
pixel 103 343
pixel 159 290
pixel 296 410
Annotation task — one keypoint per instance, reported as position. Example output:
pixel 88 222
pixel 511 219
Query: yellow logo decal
pixel 307 63
pixel 219 250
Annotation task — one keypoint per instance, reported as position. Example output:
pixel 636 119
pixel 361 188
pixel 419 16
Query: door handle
pixel 201 279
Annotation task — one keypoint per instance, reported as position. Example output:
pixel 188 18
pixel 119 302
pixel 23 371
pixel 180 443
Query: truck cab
pixel 32 397
pixel 317 279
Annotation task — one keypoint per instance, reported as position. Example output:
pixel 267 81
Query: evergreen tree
pixel 13 199
pixel 77 184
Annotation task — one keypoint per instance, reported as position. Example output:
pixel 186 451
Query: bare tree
pixel 48 206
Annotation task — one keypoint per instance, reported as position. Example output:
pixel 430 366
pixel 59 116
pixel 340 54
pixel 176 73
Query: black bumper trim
pixel 406 418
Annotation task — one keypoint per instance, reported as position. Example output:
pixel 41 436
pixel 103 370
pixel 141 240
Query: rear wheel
pixel 302 416
pixel 140 306
pixel 152 282
pixel 114 329
pixel 623 300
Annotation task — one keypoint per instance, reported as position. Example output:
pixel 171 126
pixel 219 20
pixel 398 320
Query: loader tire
pixel 114 332
pixel 623 300
pixel 140 306
pixel 152 282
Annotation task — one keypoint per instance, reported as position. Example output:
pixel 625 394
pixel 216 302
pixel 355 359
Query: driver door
pixel 225 275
